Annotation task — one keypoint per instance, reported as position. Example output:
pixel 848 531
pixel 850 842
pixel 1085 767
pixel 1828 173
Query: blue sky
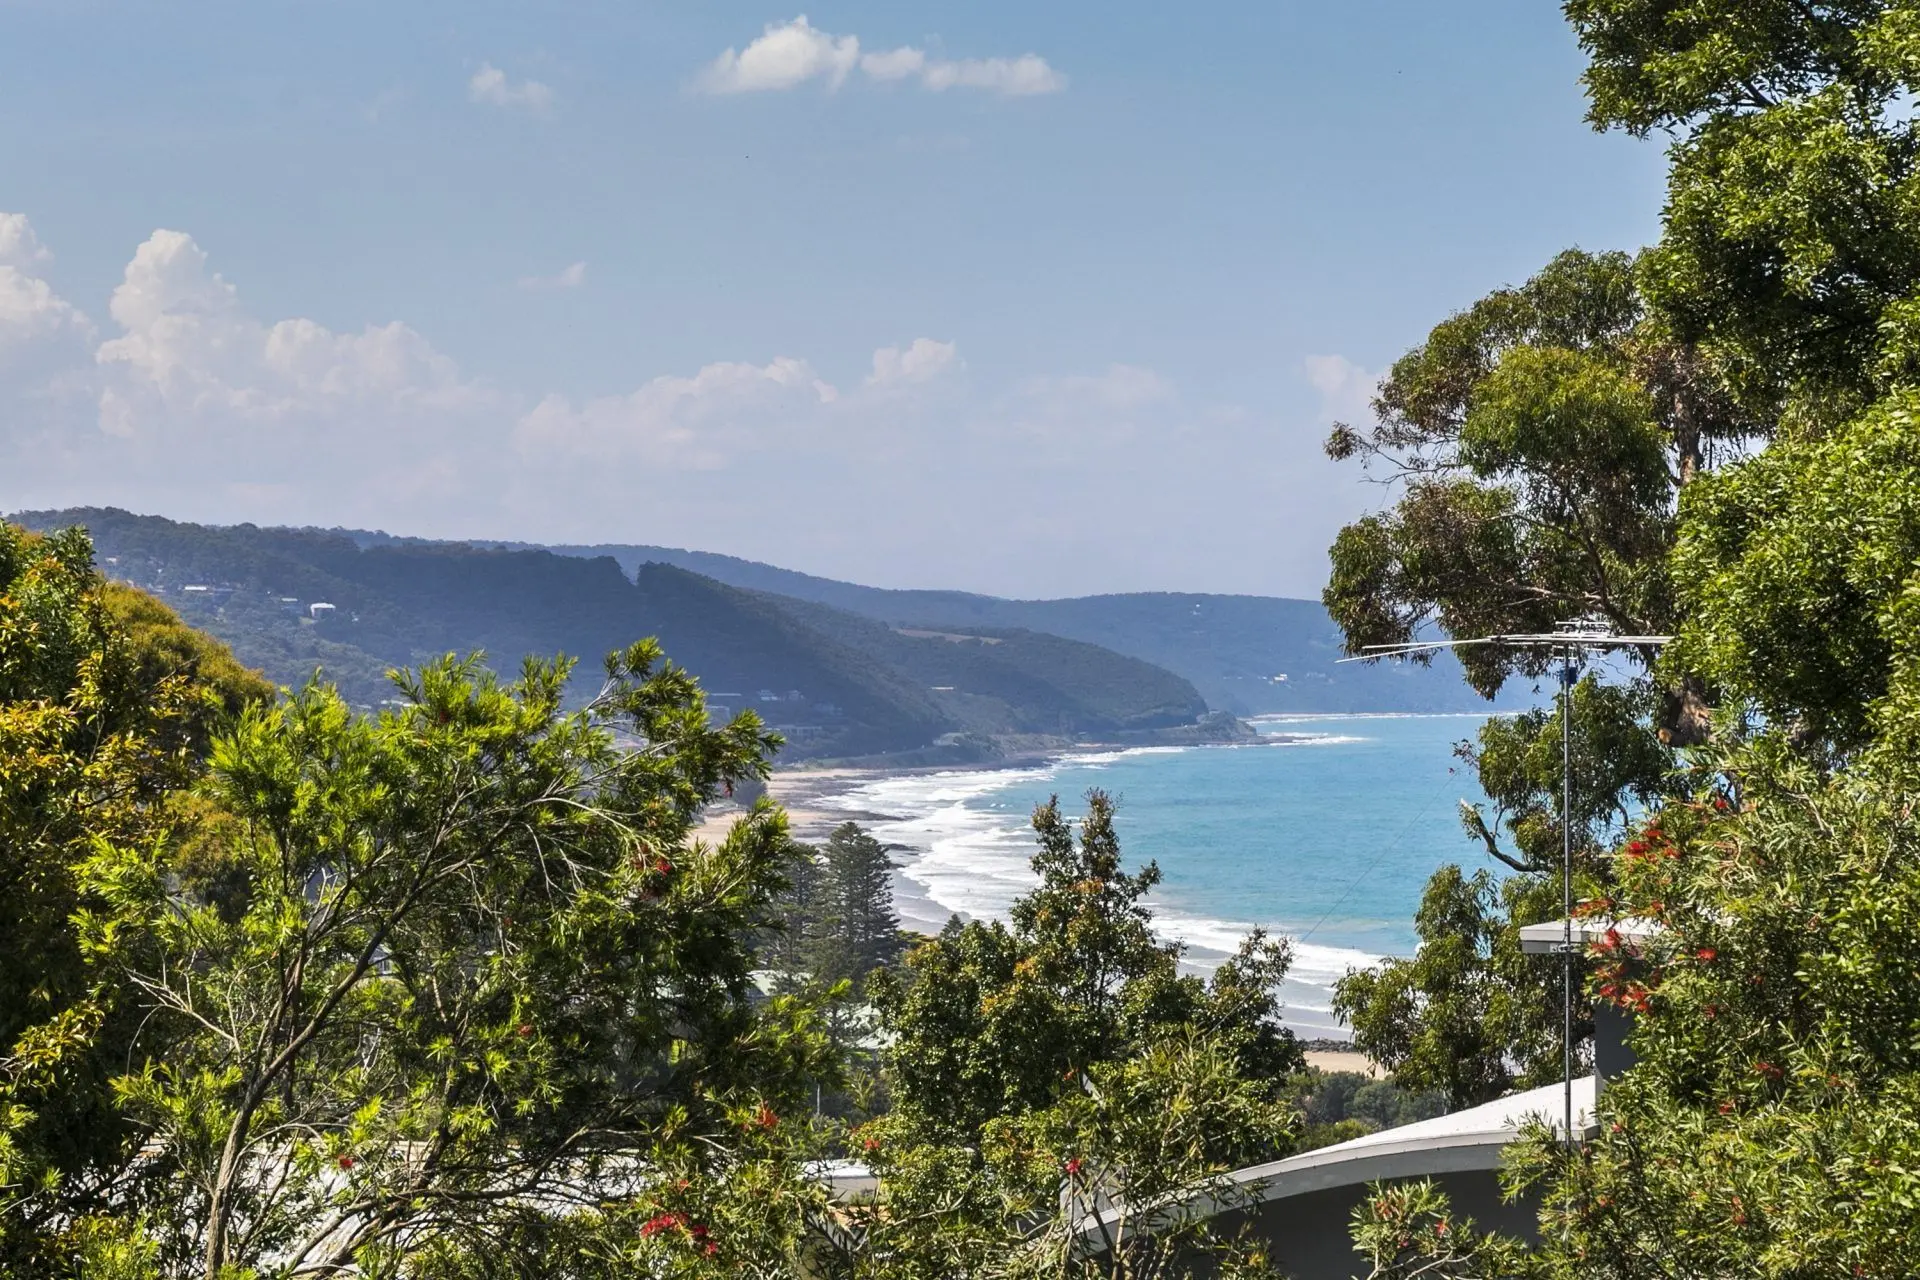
pixel 1029 299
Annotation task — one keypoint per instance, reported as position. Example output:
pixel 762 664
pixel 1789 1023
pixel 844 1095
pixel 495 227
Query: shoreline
pixel 817 798
pixel 799 789
pixel 798 792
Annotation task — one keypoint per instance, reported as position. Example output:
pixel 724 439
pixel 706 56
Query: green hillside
pixel 1037 682
pixel 1234 649
pixel 835 683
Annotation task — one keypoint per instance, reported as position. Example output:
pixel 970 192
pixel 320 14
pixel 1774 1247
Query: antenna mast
pixel 1570 641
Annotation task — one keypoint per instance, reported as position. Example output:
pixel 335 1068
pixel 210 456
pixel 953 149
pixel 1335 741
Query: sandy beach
pixel 1343 1060
pixel 798 791
pixel 804 792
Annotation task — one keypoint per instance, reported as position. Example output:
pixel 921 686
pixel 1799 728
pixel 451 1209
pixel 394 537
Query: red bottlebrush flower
pixel 346 1162
pixel 1711 1011
pixel 1720 803
pixel 662 867
pixel 870 1144
pixel 698 1231
pixel 1768 1070
pixel 1706 954
pixel 1726 1108
pixel 661 1222
pixel 1440 1227
pixel 1073 1167
pixel 711 1249
pixel 524 1029
pixel 765 1117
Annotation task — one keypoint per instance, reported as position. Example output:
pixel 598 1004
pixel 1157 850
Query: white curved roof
pixel 1464 1140
pixel 1469 1139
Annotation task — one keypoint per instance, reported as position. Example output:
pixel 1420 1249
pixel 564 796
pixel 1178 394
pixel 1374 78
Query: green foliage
pixel 993 1020
pixel 1802 580
pixel 468 962
pixel 1117 1177
pixel 1408 1231
pixel 1336 1106
pixel 1039 1065
pixel 1332 1096
pixel 1521 762
pixel 105 703
pixel 1470 1015
pixel 858 930
pixel 1541 437
pixel 1771 1124
pixel 1790 247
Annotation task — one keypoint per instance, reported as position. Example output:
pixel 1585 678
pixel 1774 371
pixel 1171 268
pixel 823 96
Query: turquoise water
pixel 1327 834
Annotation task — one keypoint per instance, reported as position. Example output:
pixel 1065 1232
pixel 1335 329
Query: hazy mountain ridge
pixel 1233 648
pixel 836 683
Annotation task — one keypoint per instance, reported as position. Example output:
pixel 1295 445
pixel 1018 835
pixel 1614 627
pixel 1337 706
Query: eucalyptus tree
pixel 1536 445
pixel 1790 245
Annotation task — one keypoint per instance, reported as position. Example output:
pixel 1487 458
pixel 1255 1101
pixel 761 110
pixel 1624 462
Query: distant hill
pixel 1251 655
pixel 837 683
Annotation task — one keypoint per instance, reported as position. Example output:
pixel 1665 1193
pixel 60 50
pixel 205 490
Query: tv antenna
pixel 1569 643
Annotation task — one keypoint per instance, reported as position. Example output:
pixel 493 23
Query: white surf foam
pixel 976 860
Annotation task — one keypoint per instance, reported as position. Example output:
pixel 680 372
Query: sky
pixel 1036 300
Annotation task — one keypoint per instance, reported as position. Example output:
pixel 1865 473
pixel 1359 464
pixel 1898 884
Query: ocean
pixel 1326 833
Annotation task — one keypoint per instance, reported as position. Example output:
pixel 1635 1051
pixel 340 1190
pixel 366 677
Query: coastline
pixel 963 850
pixel 801 789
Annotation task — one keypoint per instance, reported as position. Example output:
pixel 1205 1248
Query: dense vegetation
pixel 834 683
pixel 1715 439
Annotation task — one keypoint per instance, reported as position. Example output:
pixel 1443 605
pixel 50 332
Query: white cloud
pixel 19 246
pixel 31 313
pixel 190 353
pixel 791 54
pixel 921 361
pixel 702 422
pixel 1010 77
pixel 895 64
pixel 786 55
pixel 1346 389
pixel 490 85
pixel 571 277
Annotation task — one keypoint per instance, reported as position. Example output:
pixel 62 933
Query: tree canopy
pixel 106 705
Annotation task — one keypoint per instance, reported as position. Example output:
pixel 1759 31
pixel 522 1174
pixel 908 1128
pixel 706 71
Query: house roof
pixel 1464 1140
